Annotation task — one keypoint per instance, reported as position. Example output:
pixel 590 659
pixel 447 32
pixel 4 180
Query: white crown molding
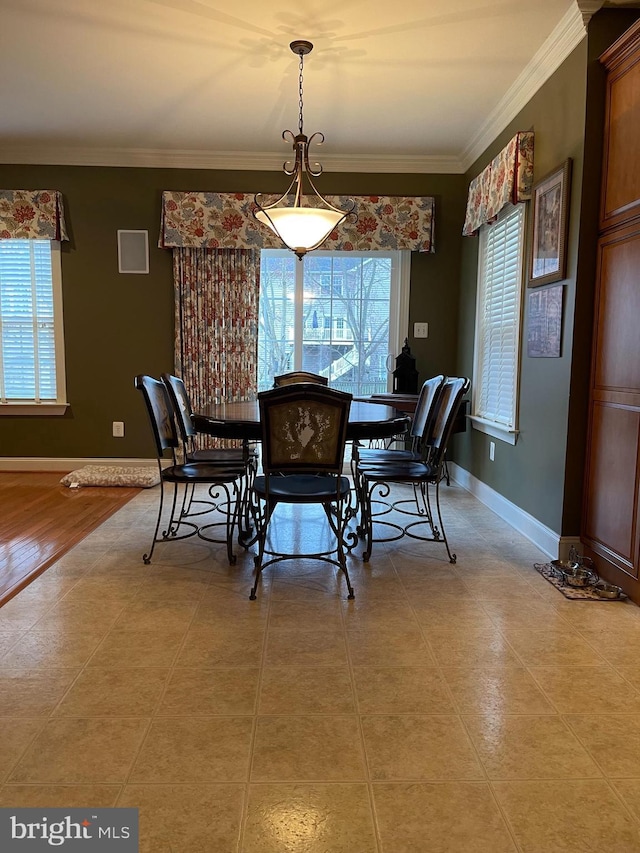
pixel 557 47
pixel 223 160
pixel 588 8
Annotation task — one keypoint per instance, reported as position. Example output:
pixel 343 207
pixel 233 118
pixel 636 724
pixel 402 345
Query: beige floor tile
pixel 528 747
pixel 422 748
pixel 471 647
pixel 389 647
pixel 320 748
pixel 292 615
pixel 314 818
pixel 200 691
pixel 299 647
pixel 495 690
pixel 612 739
pixel 541 821
pixel 619 648
pixel 598 688
pixel 629 791
pixel 535 615
pixel 401 690
pixel 376 614
pixel 195 749
pixel 455 615
pixel 17 734
pixel 32 693
pixel 126 648
pixel 59 796
pixel 73 615
pixel 189 818
pixel 40 649
pixel 144 615
pixel 553 646
pixel 119 692
pixel 306 690
pixel 630 674
pixel 77 751
pixel 209 645
pixel 446 817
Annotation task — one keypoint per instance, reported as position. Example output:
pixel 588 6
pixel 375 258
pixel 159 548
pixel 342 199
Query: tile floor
pixel 449 708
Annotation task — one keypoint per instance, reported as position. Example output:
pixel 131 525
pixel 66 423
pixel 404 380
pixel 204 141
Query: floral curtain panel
pixel 506 180
pixel 32 215
pixel 225 221
pixel 216 305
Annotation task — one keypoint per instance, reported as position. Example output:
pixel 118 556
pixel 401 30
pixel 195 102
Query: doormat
pixel 583 593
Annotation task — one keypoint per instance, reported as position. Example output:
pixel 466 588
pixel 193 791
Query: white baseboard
pixel 37 463
pixel 550 542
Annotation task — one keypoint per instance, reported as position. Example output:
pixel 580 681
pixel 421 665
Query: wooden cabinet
pixel 611 516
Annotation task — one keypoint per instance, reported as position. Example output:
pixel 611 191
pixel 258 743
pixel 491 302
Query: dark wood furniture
pixel 242 421
pixel 611 511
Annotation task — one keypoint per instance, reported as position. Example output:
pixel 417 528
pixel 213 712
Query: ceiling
pixel 411 86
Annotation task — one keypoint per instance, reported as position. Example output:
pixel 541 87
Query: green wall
pixel 543 473
pixel 117 326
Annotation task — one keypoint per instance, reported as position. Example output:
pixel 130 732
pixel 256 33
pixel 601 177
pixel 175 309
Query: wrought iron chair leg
pixel 452 557
pixel 146 558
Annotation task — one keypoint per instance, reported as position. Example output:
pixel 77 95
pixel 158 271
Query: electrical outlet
pixel 492 450
pixel 420 330
pixel 118 429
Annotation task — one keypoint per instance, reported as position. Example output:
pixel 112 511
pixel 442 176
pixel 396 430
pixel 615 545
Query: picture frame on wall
pixel 548 261
pixel 544 331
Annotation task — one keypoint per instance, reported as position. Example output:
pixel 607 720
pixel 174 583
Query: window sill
pixel 502 433
pixel 28 409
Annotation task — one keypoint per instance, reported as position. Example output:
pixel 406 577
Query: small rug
pixel 132 477
pixel 572 592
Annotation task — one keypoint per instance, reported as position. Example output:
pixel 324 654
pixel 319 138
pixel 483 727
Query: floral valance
pixel 208 220
pixel 506 180
pixel 32 215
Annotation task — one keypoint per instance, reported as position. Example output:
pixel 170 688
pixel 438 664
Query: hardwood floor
pixel 40 520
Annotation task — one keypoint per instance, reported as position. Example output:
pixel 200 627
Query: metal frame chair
pixel 187 424
pixel 420 474
pixel 224 479
pixel 304 429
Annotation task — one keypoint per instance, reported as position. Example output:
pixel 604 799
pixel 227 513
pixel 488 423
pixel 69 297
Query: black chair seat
pixel 406 472
pixel 202 473
pixel 371 455
pixel 302 488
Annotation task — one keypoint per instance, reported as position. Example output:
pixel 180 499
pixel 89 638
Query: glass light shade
pixel 300 227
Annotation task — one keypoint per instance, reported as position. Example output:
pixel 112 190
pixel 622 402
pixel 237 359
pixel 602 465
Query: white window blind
pixel 30 322
pixel 498 319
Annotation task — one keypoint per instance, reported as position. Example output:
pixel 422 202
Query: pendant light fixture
pixel 301 228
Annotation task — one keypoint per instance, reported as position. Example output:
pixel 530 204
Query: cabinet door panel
pixel 621 178
pixel 618 312
pixel 611 515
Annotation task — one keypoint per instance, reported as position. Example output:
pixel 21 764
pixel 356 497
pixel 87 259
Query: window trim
pixel 502 432
pixel 398 306
pixel 57 407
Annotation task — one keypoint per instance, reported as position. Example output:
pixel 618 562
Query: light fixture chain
pixel 300 119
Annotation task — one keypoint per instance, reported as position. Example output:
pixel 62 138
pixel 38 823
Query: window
pixel 340 314
pixel 497 342
pixel 31 335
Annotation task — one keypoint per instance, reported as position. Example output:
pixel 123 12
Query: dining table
pixel 241 420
